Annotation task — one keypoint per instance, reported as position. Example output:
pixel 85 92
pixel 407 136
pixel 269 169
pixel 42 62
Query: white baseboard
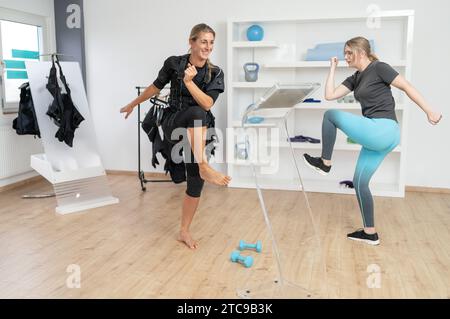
pixel 18 178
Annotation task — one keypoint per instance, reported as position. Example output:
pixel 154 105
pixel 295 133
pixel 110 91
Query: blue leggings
pixel 378 138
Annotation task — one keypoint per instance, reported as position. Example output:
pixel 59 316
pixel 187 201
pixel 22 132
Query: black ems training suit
pixel 62 110
pixel 26 121
pixel 183 112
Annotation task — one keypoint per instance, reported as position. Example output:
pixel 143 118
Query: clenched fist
pixel 189 73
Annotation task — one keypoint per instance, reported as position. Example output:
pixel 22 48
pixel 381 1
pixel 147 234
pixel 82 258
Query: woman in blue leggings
pixel 377 130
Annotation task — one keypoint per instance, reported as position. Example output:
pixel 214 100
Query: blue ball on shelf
pixel 255 33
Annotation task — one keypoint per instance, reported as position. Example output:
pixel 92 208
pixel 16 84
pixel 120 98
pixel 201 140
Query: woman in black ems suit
pixel 192 95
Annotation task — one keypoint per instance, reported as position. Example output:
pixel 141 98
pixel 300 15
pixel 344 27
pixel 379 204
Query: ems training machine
pixel 280 100
pixel 160 102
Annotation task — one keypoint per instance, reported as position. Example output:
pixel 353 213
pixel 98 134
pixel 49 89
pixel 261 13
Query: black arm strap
pixel 61 75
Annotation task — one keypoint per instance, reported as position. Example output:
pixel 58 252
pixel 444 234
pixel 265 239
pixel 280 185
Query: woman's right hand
pixel 127 109
pixel 334 62
pixel 434 117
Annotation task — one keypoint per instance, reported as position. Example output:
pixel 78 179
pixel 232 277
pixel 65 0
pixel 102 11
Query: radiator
pixel 15 152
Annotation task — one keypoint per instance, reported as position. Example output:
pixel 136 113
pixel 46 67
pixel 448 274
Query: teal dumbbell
pixel 236 257
pixel 243 245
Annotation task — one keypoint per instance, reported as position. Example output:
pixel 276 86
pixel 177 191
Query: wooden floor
pixel 129 250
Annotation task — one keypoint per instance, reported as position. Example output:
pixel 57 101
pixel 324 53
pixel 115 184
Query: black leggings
pixel 188 117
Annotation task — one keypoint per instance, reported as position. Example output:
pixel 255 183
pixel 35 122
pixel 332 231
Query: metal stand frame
pixel 280 287
pixel 141 174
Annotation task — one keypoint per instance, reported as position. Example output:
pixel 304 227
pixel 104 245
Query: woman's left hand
pixel 434 117
pixel 189 73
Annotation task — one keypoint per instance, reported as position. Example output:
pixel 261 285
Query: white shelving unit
pixel 255 44
pixel 281 56
pixel 317 64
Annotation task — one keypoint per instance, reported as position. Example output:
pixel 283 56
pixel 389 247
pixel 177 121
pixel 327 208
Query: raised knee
pixel 197 116
pixel 330 113
pixel 198 113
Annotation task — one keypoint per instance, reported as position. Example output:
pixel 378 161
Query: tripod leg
pixel 311 216
pixel 280 288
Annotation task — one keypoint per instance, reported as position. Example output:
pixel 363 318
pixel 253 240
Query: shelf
pixel 254 44
pixel 318 64
pixel 328 106
pixel 252 85
pixel 279 113
pixel 320 106
pixel 311 146
pixel 337 147
pixel 246 163
pixel 239 124
pixel 316 186
pixel 337 106
pixel 396 14
pixel 285 62
pixel 276 113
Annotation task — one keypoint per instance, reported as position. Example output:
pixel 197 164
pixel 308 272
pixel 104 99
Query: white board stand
pixel 76 173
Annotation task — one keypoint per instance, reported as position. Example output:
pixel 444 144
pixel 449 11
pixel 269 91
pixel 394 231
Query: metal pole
pixel 139 134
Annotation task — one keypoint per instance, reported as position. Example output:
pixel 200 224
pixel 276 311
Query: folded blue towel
pixel 338 45
pixel 330 46
pixel 325 51
pixel 323 55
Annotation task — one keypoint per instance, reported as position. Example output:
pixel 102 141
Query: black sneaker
pixel 317 164
pixel 360 235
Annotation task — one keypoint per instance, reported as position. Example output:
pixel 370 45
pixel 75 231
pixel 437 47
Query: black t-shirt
pixel 213 88
pixel 373 90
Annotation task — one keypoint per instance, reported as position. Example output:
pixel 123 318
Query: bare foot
pixel 185 237
pixel 213 177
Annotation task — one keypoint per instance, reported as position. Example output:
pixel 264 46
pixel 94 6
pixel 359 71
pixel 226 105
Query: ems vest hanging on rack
pixel 62 110
pixel 26 122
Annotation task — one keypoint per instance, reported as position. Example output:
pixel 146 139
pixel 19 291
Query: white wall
pixel 127 41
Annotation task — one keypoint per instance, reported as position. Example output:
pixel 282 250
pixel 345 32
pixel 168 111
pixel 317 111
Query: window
pixel 21 39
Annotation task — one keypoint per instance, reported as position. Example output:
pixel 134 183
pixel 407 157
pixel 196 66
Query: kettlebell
pixel 251 71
